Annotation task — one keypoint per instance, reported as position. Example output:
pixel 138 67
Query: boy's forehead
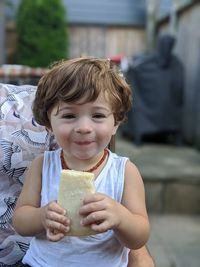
pixel 102 100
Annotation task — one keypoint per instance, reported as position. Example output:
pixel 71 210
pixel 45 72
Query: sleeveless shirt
pixel 100 250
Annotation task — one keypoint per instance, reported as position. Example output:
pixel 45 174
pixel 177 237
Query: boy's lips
pixel 82 143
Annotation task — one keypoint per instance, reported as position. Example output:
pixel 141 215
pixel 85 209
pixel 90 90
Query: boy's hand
pixel 100 212
pixel 54 221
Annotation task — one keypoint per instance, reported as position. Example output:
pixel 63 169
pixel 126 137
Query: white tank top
pixel 101 250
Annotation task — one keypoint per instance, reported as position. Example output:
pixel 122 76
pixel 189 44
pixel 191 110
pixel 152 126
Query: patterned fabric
pixel 21 139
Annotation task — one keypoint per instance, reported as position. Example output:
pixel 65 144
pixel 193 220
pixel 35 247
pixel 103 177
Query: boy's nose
pixel 83 130
pixel 83 127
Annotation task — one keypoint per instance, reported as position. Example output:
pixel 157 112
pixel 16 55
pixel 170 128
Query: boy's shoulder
pixel 116 156
pixel 38 160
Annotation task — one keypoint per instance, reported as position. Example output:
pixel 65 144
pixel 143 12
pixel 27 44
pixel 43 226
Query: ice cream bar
pixel 74 186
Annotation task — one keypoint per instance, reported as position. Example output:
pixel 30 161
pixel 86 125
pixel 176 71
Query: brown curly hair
pixel 81 78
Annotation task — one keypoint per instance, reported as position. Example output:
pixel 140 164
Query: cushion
pixel 21 140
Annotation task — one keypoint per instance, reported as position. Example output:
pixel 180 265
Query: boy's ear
pixel 115 128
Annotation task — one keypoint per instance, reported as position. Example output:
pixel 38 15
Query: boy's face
pixel 83 130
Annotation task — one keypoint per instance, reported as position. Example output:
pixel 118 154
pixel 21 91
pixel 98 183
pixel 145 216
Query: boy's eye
pixel 99 116
pixel 68 116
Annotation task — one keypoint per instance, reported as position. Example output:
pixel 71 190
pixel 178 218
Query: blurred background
pixel 156 44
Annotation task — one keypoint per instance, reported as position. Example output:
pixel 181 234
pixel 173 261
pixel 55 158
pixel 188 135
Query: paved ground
pixel 175 239
pixel 160 161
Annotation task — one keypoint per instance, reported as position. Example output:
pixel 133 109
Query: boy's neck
pixel 91 169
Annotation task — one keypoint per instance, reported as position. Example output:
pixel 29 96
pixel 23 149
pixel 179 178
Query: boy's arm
pixel 140 258
pixel 129 220
pixel 29 218
pixel 27 214
pixel 134 228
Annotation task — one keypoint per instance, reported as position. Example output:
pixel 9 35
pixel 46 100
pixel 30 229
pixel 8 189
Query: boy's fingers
pixel 93 198
pixel 53 216
pixel 53 206
pixel 57 226
pixel 54 236
pixel 101 227
pixel 93 217
pixel 91 207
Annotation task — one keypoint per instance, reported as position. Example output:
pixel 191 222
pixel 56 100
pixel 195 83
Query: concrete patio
pixel 172 181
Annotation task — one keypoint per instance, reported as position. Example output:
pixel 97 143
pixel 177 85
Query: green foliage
pixel 42 32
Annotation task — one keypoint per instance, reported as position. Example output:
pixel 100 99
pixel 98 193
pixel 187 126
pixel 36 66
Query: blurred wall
pixel 188 50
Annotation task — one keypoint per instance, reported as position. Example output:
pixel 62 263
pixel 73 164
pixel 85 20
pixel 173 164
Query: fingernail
pixel 66 221
pixel 67 229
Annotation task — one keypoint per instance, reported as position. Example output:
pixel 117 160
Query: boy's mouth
pixel 82 143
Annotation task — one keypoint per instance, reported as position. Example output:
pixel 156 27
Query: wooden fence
pixel 96 41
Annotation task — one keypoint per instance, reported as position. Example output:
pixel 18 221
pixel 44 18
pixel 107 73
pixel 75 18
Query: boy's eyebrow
pixel 101 108
pixel 95 107
pixel 64 108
